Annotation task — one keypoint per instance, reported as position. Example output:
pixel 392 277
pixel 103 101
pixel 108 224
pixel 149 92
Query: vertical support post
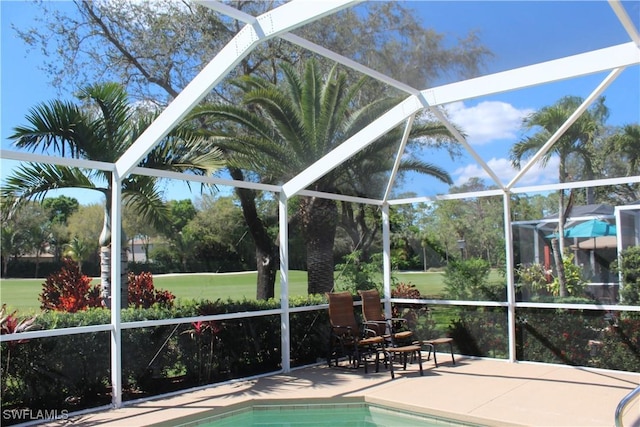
pixel 511 300
pixel 116 294
pixel 285 330
pixel 386 259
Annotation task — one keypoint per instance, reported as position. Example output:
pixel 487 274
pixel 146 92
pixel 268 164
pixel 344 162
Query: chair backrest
pixel 372 309
pixel 341 311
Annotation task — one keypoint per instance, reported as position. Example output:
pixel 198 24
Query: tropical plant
pixel 576 143
pixel 279 130
pixel 102 128
pixel 12 324
pixel 69 290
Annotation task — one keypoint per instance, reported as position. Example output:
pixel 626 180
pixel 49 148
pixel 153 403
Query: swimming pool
pixel 322 414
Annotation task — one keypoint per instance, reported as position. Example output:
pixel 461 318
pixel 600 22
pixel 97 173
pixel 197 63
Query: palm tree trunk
pixel 319 222
pixel 559 243
pixel 557 259
pixel 106 287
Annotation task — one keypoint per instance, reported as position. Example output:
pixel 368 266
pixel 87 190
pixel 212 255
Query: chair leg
pixel 451 350
pixel 418 354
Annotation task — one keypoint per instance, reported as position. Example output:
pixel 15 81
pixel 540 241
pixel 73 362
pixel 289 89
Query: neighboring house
pixel 593 252
pixel 136 250
pixel 44 257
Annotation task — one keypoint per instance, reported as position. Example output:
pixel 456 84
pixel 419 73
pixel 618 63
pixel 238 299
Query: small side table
pixel 432 347
pixel 391 352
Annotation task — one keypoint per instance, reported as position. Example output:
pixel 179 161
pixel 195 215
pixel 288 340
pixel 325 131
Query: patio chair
pixel 397 346
pixel 373 315
pixel 346 338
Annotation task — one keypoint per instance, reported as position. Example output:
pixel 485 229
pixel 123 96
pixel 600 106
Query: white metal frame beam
pixel 583 64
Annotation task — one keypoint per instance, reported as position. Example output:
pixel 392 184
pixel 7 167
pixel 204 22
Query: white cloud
pixel 503 169
pixel 487 121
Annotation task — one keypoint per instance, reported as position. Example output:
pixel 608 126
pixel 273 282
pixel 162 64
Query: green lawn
pixel 22 294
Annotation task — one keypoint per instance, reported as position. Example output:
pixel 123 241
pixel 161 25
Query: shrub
pixel 532 277
pixel 630 269
pixel 142 293
pixel 573 279
pixel 467 279
pixel 69 290
pixel 405 290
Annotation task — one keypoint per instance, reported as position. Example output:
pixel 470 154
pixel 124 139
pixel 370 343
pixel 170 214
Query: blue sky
pixel 518 33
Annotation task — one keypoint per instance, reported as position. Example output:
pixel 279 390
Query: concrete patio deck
pixel 490 392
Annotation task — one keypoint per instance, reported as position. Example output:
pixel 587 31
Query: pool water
pixel 335 415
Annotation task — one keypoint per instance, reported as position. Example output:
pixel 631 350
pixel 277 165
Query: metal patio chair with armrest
pixel 397 345
pixel 373 315
pixel 347 339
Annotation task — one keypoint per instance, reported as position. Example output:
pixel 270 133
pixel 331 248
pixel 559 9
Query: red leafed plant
pixel 11 324
pixel 142 293
pixel 69 290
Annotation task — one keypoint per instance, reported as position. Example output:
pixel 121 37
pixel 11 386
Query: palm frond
pixel 141 194
pixel 34 180
pixel 56 126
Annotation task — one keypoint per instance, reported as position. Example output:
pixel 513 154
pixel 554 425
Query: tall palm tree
pixel 577 141
pixel 102 127
pixel 279 130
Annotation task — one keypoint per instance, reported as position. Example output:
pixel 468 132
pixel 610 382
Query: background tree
pixel 222 242
pixel 158 47
pixel 60 208
pixel 86 224
pixel 361 223
pixel 22 232
pixel 102 129
pixel 618 154
pixel 576 144
pixel 180 213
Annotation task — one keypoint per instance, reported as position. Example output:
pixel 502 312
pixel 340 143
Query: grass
pixel 22 294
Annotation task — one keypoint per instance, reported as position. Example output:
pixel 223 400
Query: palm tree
pixel 78 250
pixel 102 128
pixel 279 130
pixel 627 143
pixel 577 141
